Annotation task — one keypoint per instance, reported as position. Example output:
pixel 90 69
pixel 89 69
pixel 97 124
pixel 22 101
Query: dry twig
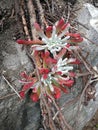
pixel 66 105
pixel 81 24
pixel 86 64
pixel 11 86
pixel 62 119
pixel 25 24
pixel 32 16
pixel 6 96
pixel 41 13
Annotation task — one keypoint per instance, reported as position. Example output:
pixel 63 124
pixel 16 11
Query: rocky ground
pixel 16 114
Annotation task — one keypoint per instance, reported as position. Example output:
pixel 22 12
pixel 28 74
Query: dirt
pixel 7 18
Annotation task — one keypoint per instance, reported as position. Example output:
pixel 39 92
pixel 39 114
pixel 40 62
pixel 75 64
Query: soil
pixel 8 18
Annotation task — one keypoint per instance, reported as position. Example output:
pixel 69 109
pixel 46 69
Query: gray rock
pixel 14 113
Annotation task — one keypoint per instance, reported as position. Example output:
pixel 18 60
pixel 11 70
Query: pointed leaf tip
pixel 49 31
pixel 60 23
pixel 22 94
pixel 20 41
pixel 34 97
pixel 28 42
pixel 36 25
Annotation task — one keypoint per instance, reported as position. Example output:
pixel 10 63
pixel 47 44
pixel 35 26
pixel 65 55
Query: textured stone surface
pixel 14 114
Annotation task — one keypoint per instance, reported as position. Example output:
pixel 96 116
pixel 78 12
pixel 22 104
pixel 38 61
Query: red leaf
pixel 37 41
pixel 27 86
pixel 45 76
pixel 59 72
pixel 71 74
pixel 51 61
pixel 63 89
pixel 49 28
pixel 65 26
pixel 27 78
pixel 77 40
pixel 60 24
pixel 75 37
pixel 20 41
pixel 44 71
pixel 49 31
pixel 36 53
pixel 75 62
pixel 61 53
pixel 67 83
pixel 34 90
pixel 45 54
pixel 36 25
pixel 24 75
pixel 34 97
pixel 57 92
pixel 68 45
pixel 22 94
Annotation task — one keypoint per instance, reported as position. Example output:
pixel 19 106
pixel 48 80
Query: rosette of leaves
pixel 54 39
pixel 54 61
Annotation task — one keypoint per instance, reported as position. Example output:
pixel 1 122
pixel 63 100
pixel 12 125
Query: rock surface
pixel 14 113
